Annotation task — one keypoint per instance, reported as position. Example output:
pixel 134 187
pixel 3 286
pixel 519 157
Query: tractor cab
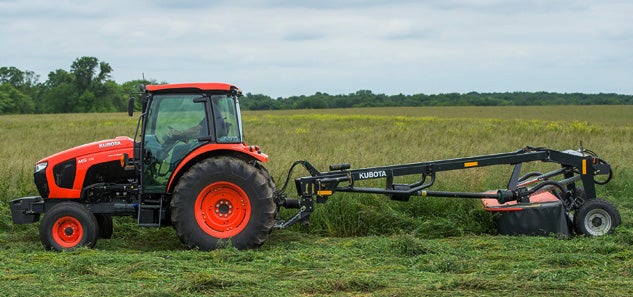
pixel 181 126
pixel 180 119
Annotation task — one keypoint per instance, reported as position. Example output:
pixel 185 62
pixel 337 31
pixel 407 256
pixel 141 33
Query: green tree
pixel 14 101
pixel 258 102
pixel 59 94
pixel 21 80
pixel 90 80
pixel 86 88
pixel 25 81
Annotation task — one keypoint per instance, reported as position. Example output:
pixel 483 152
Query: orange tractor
pixel 188 166
pixel 190 169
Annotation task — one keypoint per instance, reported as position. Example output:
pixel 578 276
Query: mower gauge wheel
pixel 596 217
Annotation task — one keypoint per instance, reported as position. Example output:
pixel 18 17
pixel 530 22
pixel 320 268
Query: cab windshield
pixel 227 119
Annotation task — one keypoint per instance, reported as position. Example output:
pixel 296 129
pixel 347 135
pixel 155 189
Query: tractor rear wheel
pixel 271 184
pixel 596 217
pixel 222 200
pixel 67 226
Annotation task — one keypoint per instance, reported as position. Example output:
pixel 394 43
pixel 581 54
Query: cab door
pixel 176 125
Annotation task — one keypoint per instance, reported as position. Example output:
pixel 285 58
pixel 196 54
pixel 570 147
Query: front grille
pixel 41 183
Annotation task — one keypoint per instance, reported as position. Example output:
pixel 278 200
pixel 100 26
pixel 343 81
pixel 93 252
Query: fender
pixel 210 149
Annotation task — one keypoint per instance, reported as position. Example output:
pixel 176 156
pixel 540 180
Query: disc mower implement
pixel 534 203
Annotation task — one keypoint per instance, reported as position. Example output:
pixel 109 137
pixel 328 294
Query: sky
pixel 283 48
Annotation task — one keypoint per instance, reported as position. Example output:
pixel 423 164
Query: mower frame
pixel 576 165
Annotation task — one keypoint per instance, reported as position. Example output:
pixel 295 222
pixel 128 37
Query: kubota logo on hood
pixel 109 144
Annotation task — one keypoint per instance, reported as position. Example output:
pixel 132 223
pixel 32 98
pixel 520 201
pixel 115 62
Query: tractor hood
pixel 62 175
pixel 83 153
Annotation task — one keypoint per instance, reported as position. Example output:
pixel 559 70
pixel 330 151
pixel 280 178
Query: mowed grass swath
pixel 356 244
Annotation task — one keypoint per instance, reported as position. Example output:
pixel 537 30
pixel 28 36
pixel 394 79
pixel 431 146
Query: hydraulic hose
pixel 609 175
pixel 540 186
pixel 283 188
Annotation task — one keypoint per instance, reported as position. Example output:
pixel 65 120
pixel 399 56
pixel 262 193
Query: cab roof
pixel 208 86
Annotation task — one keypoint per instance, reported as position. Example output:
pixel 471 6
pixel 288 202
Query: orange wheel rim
pixel 222 209
pixel 67 232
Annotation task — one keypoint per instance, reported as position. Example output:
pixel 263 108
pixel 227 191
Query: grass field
pixel 356 244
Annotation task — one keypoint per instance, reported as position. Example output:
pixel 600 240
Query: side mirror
pixel 130 106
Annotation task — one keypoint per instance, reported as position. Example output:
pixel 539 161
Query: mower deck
pixel 543 215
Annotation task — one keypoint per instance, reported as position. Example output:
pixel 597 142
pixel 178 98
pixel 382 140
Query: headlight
pixel 40 166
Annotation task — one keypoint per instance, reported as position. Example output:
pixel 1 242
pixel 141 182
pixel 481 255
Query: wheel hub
pixel 222 209
pixel 596 222
pixel 67 231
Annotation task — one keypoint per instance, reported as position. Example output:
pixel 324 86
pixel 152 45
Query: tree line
pixel 88 87
pixel 365 98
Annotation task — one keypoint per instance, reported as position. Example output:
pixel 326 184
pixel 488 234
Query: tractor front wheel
pixel 222 200
pixel 104 221
pixel 67 226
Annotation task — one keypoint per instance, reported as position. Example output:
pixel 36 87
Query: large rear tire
pixel 222 200
pixel 67 226
pixel 271 184
pixel 596 217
